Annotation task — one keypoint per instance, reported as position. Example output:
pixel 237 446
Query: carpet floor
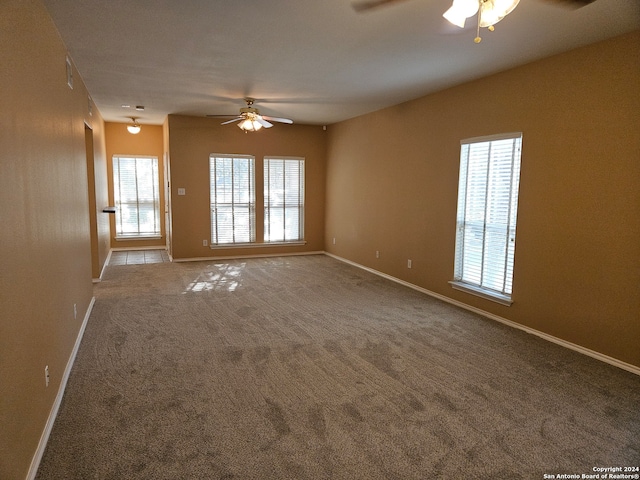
pixel 309 368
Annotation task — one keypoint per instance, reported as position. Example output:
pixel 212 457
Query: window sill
pixel 146 237
pixel 227 246
pixel 481 292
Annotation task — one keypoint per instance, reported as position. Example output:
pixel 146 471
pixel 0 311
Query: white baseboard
pixel 237 257
pixel 37 457
pixel 106 263
pixel 578 348
pixel 104 267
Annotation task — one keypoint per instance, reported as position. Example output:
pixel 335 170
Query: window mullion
pixel 284 200
pixel 508 232
pixel 119 199
pixel 215 198
pixel 252 202
pixel 156 196
pixel 233 200
pixel 486 208
pixel 267 201
pixel 300 199
pixel 463 227
pixel 135 163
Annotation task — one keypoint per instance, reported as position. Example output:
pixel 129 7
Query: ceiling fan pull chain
pixel 478 39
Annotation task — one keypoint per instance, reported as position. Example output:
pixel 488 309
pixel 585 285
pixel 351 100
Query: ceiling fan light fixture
pixel 134 127
pixel 492 11
pixel 455 17
pixel 460 10
pixel 250 119
pixel 249 125
pixel 506 6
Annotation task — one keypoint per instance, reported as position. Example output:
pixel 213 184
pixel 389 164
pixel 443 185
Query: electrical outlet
pixel 408 263
pixel 205 243
pixel 377 254
pixel 75 311
pixel 334 240
pixel 46 375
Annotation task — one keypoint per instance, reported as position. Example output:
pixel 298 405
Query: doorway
pixel 93 211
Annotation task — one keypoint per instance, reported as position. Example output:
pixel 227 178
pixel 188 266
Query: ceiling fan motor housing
pixel 249 110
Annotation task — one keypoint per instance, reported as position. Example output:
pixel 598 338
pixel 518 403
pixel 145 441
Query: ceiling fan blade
pixel 232 120
pixel 363 5
pixel 571 3
pixel 221 116
pixel 277 119
pixel 263 122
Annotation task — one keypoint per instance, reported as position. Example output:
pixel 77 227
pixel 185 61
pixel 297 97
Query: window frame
pixel 155 203
pixel 214 206
pixel 493 206
pixel 297 203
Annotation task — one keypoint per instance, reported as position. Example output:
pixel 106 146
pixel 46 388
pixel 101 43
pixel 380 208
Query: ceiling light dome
pixel 461 10
pixel 134 127
pixel 250 124
pixel 492 11
pixel 489 12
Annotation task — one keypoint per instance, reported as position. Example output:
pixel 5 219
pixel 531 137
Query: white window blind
pixel 283 199
pixel 136 195
pixel 233 200
pixel 487 212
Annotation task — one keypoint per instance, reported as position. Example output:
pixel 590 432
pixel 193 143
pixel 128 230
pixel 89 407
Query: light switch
pixel 181 191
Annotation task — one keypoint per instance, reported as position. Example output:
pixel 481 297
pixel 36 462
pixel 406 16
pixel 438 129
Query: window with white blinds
pixel 283 199
pixel 137 196
pixel 487 212
pixel 232 198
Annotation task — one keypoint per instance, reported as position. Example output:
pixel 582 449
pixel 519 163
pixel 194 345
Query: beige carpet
pixel 308 368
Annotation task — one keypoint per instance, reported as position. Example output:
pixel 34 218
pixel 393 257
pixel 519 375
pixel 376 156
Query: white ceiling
pixel 314 61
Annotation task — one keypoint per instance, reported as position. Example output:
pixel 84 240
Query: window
pixel 486 220
pixel 283 199
pixel 136 195
pixel 232 198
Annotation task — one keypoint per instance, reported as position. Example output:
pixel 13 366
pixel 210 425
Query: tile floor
pixel 138 257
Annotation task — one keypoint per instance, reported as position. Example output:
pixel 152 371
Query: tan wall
pixel 392 187
pixel 45 260
pixel 193 139
pixel 148 142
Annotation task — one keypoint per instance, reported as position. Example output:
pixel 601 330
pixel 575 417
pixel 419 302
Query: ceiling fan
pixel 250 119
pixel 489 12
